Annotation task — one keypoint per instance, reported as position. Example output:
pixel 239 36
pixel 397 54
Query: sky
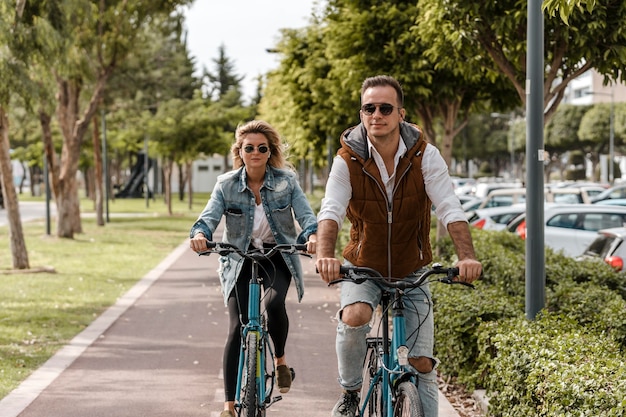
pixel 246 28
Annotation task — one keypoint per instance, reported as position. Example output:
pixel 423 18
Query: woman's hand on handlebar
pixel 311 244
pixel 328 268
pixel 198 243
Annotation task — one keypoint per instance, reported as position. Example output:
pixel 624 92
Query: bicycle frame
pixel 393 384
pixel 255 330
pixel 394 368
pixel 264 353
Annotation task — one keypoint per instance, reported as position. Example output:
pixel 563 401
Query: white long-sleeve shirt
pixel 436 178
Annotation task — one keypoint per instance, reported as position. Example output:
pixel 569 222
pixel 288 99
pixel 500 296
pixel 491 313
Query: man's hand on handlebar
pixel 328 268
pixel 469 270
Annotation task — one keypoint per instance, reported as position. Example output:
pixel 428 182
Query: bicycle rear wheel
pixel 373 407
pixel 408 403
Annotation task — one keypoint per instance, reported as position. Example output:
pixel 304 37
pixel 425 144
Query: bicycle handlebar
pixel 224 248
pixel 359 274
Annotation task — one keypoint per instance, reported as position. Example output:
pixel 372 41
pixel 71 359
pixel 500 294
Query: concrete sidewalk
pixel 158 352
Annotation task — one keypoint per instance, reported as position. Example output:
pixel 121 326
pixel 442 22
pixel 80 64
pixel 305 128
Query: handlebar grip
pixel 301 247
pixel 210 244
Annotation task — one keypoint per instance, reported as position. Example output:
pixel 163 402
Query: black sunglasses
pixel 370 109
pixel 260 148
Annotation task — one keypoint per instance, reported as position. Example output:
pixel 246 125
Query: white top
pixel 436 178
pixel 261 231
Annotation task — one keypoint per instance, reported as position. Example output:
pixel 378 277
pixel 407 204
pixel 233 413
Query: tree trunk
pixel 16 234
pixel 182 180
pixel 73 130
pixel 189 166
pixel 167 183
pixel 97 156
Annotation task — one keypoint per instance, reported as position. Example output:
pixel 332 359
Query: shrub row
pixel 568 361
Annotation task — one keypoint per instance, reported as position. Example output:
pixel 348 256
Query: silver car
pixel 608 246
pixel 570 228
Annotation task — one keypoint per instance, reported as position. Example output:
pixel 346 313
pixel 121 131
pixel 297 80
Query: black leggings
pixel 276 280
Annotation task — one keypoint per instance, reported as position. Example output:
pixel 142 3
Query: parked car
pixel 509 196
pixel 482 189
pixel 612 202
pixel 608 246
pixel 503 197
pixel 494 218
pixel 617 191
pixel 572 227
pixel 463 186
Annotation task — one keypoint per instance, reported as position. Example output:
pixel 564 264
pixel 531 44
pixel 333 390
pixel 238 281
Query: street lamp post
pixel 510 117
pixel 611 132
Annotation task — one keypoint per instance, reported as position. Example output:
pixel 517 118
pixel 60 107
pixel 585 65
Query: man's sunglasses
pixel 385 109
pixel 260 148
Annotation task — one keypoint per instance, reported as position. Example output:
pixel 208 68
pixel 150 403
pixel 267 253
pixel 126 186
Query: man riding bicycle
pixel 385 179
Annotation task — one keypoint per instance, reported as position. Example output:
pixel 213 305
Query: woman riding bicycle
pixel 259 199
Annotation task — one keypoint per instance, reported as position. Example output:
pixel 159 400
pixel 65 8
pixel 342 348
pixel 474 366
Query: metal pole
pixel 535 256
pixel 612 140
pixel 512 148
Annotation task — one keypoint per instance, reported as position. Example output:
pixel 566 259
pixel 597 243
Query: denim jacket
pixel 282 200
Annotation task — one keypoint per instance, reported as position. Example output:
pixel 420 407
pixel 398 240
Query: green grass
pixel 41 312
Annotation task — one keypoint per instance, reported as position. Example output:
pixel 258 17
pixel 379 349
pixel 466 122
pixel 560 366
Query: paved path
pixel 158 352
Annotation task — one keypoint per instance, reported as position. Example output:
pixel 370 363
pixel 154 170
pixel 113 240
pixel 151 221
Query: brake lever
pixel 453 281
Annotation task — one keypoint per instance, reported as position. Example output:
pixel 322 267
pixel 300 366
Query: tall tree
pixel 27 34
pixel 223 79
pixel 498 30
pixel 360 39
pixel 102 35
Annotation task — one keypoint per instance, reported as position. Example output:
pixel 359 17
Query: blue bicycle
pixel 389 384
pixel 256 372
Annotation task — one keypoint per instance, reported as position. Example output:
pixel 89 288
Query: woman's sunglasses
pixel 385 109
pixel 260 148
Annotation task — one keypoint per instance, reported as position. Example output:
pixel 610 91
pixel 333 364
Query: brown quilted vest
pixel 394 242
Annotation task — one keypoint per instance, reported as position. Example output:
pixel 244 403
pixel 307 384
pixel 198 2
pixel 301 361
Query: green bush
pixel 551 366
pixel 483 337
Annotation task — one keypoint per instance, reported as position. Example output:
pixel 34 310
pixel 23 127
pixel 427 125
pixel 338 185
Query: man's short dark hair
pixel 381 81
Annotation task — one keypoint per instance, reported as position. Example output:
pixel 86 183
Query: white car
pixel 570 228
pixel 494 218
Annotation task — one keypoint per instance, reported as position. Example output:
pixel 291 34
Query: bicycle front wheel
pixel 249 387
pixel 408 402
pixel 372 383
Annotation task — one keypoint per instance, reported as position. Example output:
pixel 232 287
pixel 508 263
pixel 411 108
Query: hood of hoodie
pixel 355 138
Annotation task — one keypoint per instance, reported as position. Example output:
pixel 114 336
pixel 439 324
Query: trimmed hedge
pixel 566 362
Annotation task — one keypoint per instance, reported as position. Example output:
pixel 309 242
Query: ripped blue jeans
pixel 351 343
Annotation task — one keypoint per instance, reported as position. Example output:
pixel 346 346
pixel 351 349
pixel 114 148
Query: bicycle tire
pixel 373 408
pixel 250 392
pixel 408 403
